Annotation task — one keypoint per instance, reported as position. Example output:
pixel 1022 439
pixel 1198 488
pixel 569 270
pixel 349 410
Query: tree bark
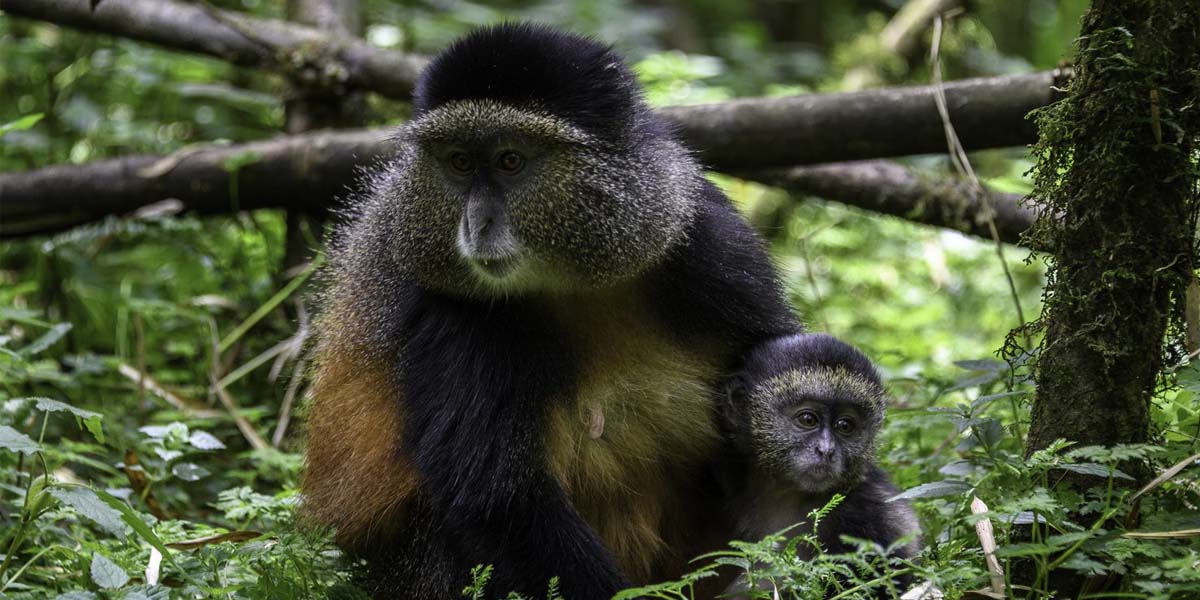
pixel 888 188
pixel 1117 175
pixel 1118 171
pixel 308 171
pixel 269 44
pixel 319 107
pixel 755 133
pixel 306 53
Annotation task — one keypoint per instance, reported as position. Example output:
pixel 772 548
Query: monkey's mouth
pixel 815 477
pixel 497 267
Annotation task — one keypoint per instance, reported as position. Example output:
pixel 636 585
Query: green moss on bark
pixel 1117 170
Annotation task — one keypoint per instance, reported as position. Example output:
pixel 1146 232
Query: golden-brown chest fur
pixel 631 445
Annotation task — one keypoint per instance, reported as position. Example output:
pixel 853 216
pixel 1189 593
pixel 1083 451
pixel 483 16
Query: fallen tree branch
pixel 305 171
pixel 888 188
pixel 752 133
pixel 309 170
pixel 304 52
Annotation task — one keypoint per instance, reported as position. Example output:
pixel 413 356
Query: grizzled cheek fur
pixel 599 216
pixel 427 217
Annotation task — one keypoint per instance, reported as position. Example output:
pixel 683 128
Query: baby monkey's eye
pixel 510 162
pixel 844 425
pixel 807 419
pixel 460 162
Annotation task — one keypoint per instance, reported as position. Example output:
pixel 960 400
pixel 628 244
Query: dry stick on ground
pixel 214 375
pixel 309 170
pixel 189 408
pixel 987 541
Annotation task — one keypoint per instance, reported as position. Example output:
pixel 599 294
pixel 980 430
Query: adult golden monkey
pixel 530 310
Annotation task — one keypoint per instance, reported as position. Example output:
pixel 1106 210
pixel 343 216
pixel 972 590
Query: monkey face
pixel 495 200
pixel 824 443
pixel 815 428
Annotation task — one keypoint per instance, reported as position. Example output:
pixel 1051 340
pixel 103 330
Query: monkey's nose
pixel 483 226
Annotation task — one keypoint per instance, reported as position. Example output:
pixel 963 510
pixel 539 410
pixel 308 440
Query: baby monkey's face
pixel 823 441
pixel 814 430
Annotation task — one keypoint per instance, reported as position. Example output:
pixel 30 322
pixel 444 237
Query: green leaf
pixel 981 364
pixel 1024 549
pixel 86 502
pixel 162 431
pixel 95 427
pixel 189 471
pixel 205 441
pixel 935 489
pixel 21 124
pixel 11 439
pixel 106 573
pixel 132 519
pixel 47 339
pixel 48 405
pixel 147 592
pixel 91 421
pixel 982 400
pixel 1093 469
pixel 76 595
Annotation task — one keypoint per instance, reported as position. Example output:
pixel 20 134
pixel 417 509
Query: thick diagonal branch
pixel 989 112
pixel 270 44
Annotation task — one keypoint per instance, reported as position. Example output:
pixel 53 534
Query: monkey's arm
pixel 478 379
pixel 355 478
pixel 721 282
pixel 866 514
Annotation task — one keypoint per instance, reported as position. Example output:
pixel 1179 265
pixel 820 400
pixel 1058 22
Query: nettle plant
pixel 88 511
pixel 1043 529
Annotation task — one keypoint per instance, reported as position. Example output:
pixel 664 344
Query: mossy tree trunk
pixel 1118 173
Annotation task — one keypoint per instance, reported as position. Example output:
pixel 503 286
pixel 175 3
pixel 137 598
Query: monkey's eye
pixel 845 425
pixel 510 162
pixel 807 419
pixel 460 162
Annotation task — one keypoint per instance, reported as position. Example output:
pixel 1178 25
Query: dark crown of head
pixel 808 351
pixel 534 66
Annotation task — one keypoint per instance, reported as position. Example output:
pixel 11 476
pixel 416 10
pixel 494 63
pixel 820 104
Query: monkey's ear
pixel 736 387
pixel 734 399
